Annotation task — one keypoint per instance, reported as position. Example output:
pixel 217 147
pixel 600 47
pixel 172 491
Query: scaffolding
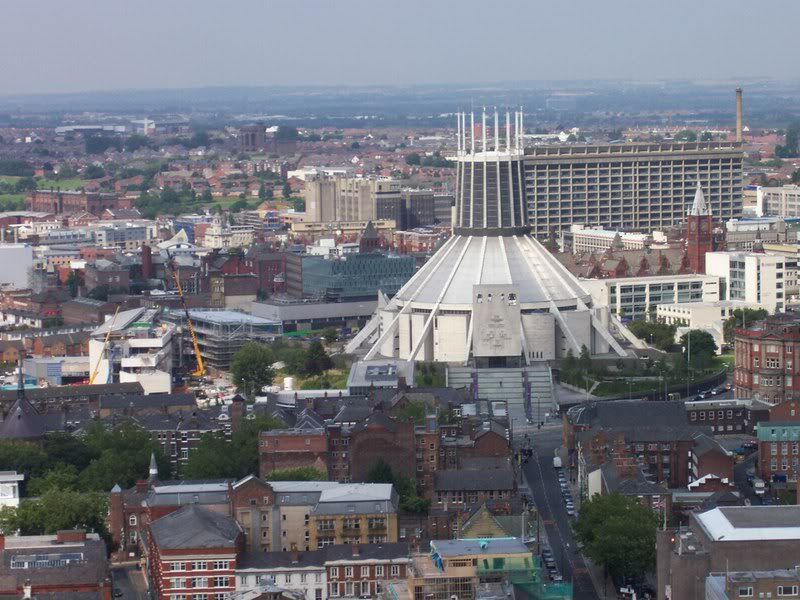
pixel 222 333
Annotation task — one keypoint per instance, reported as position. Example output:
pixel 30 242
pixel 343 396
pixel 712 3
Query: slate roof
pixel 195 527
pixel 91 570
pixel 317 558
pixel 637 420
pixel 67 392
pixel 474 481
pixel 123 401
pixel 23 422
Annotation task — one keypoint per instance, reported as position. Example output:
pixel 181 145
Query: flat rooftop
pixel 751 523
pixel 228 316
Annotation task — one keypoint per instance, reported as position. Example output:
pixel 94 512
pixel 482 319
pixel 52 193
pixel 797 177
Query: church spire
pixel 153 473
pixel 699 206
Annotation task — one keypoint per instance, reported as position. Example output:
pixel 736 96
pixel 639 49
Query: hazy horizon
pixel 51 47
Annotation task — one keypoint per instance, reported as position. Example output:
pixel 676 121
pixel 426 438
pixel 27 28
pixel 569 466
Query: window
pixel 348 588
pixel 132 520
pixel 220 581
pixel 318 594
pixel 334 572
pixel 199 565
pixel 365 588
pixel 787 590
pixel 334 590
pixel 178 566
pixel 221 565
pixel 348 571
pixel 379 571
pixel 200 582
pixel 365 571
pixel 178 583
pixel 317 577
pixel 745 592
pixel 395 570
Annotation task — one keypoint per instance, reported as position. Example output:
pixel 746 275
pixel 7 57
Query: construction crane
pixel 104 349
pixel 200 371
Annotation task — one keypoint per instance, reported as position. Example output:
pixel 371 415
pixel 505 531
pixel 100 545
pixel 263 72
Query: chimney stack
pixel 739 114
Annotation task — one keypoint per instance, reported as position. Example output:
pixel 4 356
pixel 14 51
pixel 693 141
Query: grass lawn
pixel 334 379
pixel 9 179
pixel 72 183
pixel 726 361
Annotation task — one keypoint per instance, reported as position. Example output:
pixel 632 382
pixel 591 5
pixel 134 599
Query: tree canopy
pixel 55 510
pixel 251 368
pixel 619 534
pixel 317 360
pixel 216 458
pixel 410 500
pixel 660 335
pixel 701 348
pixel 742 317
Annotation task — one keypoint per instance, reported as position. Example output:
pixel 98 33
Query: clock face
pixel 704 226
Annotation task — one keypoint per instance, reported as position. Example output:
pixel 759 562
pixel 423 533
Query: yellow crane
pixel 200 371
pixel 104 349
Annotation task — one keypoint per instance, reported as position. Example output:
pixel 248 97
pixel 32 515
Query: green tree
pixel 330 334
pixel 23 457
pixel 287 190
pixel 619 534
pixel 94 172
pixel 380 472
pixel 742 317
pixel 99 293
pixel 413 159
pixel 251 368
pixel 72 284
pixel 62 477
pixel 216 458
pixel 297 474
pixel 570 363
pixel 585 360
pixel 55 510
pixel 136 142
pixel 262 191
pixel 123 456
pixel 317 360
pixel 796 177
pixel 206 197
pixel 68 449
pixel 686 135
pixel 26 184
pixel 660 335
pixel 700 348
pixel 212 459
pixel 791 146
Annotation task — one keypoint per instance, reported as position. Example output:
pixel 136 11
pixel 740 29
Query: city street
pixel 543 482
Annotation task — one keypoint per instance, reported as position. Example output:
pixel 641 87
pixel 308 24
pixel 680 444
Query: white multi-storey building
pixel 783 201
pixel 638 297
pixel 138 349
pixel 769 280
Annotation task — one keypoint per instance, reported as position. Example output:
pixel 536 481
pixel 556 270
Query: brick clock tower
pixel 699 227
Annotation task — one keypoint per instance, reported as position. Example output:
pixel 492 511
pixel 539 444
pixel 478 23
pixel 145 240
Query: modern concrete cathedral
pixel 492 296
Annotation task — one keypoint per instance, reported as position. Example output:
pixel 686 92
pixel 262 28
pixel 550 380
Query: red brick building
pixel 362 571
pixel 64 202
pixel 699 233
pixel 193 552
pixel 768 360
pixel 291 448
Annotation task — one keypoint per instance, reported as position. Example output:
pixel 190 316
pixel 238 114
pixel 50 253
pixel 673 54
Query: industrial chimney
pixel 739 115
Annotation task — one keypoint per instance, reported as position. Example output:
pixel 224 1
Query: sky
pixel 55 46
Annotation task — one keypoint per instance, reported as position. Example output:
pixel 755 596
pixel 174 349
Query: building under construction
pixel 222 333
pixel 476 569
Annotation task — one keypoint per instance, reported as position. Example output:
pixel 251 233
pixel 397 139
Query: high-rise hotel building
pixel 631 186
